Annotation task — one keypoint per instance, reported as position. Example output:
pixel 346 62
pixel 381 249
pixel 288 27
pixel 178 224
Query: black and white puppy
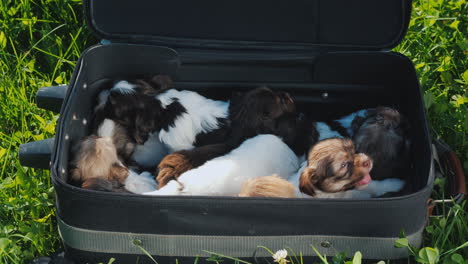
pixel 255 112
pixel 116 112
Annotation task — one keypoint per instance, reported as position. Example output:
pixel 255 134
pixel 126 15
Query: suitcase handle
pixel 36 154
pixel 457 185
pixel 454 170
pixel 51 98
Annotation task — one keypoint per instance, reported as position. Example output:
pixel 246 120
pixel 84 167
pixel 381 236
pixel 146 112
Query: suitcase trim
pixel 236 246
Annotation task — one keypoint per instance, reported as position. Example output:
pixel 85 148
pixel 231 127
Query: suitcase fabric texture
pixel 332 56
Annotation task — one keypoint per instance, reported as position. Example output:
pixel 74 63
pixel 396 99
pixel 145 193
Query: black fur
pixel 155 118
pixel 296 132
pixel 257 112
pixel 383 135
pixel 216 136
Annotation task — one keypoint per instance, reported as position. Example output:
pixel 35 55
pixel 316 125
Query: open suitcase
pixel 330 55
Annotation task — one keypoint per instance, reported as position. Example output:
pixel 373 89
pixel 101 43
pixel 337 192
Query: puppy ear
pixel 162 82
pixel 118 172
pixel 306 184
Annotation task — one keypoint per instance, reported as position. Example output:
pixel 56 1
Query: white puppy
pixel 223 176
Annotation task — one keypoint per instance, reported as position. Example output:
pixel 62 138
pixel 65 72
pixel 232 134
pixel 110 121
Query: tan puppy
pixel 96 157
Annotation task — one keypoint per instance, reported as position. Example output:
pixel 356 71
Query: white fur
pixel 140 183
pixel 325 131
pixel 373 189
pixel 151 152
pixel 260 156
pixel 201 117
pixel 106 128
pixel 124 87
pixel 346 121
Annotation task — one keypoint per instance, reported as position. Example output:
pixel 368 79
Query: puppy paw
pixel 393 185
pixel 171 167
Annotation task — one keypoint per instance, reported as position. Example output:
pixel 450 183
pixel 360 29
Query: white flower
pixel 280 256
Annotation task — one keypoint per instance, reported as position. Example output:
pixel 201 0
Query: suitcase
pixel 332 56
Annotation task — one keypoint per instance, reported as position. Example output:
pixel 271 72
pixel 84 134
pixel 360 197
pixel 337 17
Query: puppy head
pixel 334 166
pixel 145 123
pixel 257 110
pixel 268 186
pixel 137 112
pixel 384 117
pixel 96 157
pixel 382 134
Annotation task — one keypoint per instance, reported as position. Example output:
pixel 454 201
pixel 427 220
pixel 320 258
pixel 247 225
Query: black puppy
pixel 383 134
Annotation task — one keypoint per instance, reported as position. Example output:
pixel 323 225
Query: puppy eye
pixel 344 164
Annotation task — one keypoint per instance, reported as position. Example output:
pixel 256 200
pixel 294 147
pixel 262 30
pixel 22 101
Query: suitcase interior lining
pixel 352 81
pixel 233 23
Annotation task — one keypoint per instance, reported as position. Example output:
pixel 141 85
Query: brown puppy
pixel 332 167
pixel 96 158
pixel 253 113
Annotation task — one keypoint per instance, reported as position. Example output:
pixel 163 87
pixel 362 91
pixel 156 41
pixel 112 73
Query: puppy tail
pixel 268 186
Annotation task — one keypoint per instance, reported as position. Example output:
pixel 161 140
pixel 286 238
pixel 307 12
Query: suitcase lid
pixel 245 24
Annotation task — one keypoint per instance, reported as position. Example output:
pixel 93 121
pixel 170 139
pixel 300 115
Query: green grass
pixel 40 41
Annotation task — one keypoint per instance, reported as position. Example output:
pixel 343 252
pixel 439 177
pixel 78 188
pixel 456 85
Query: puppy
pixel 383 135
pixel 124 104
pixel 122 100
pixel 223 176
pixel 333 166
pixel 96 166
pixel 255 112
pixel 333 170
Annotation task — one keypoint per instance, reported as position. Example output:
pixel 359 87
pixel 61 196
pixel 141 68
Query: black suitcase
pixel 330 55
